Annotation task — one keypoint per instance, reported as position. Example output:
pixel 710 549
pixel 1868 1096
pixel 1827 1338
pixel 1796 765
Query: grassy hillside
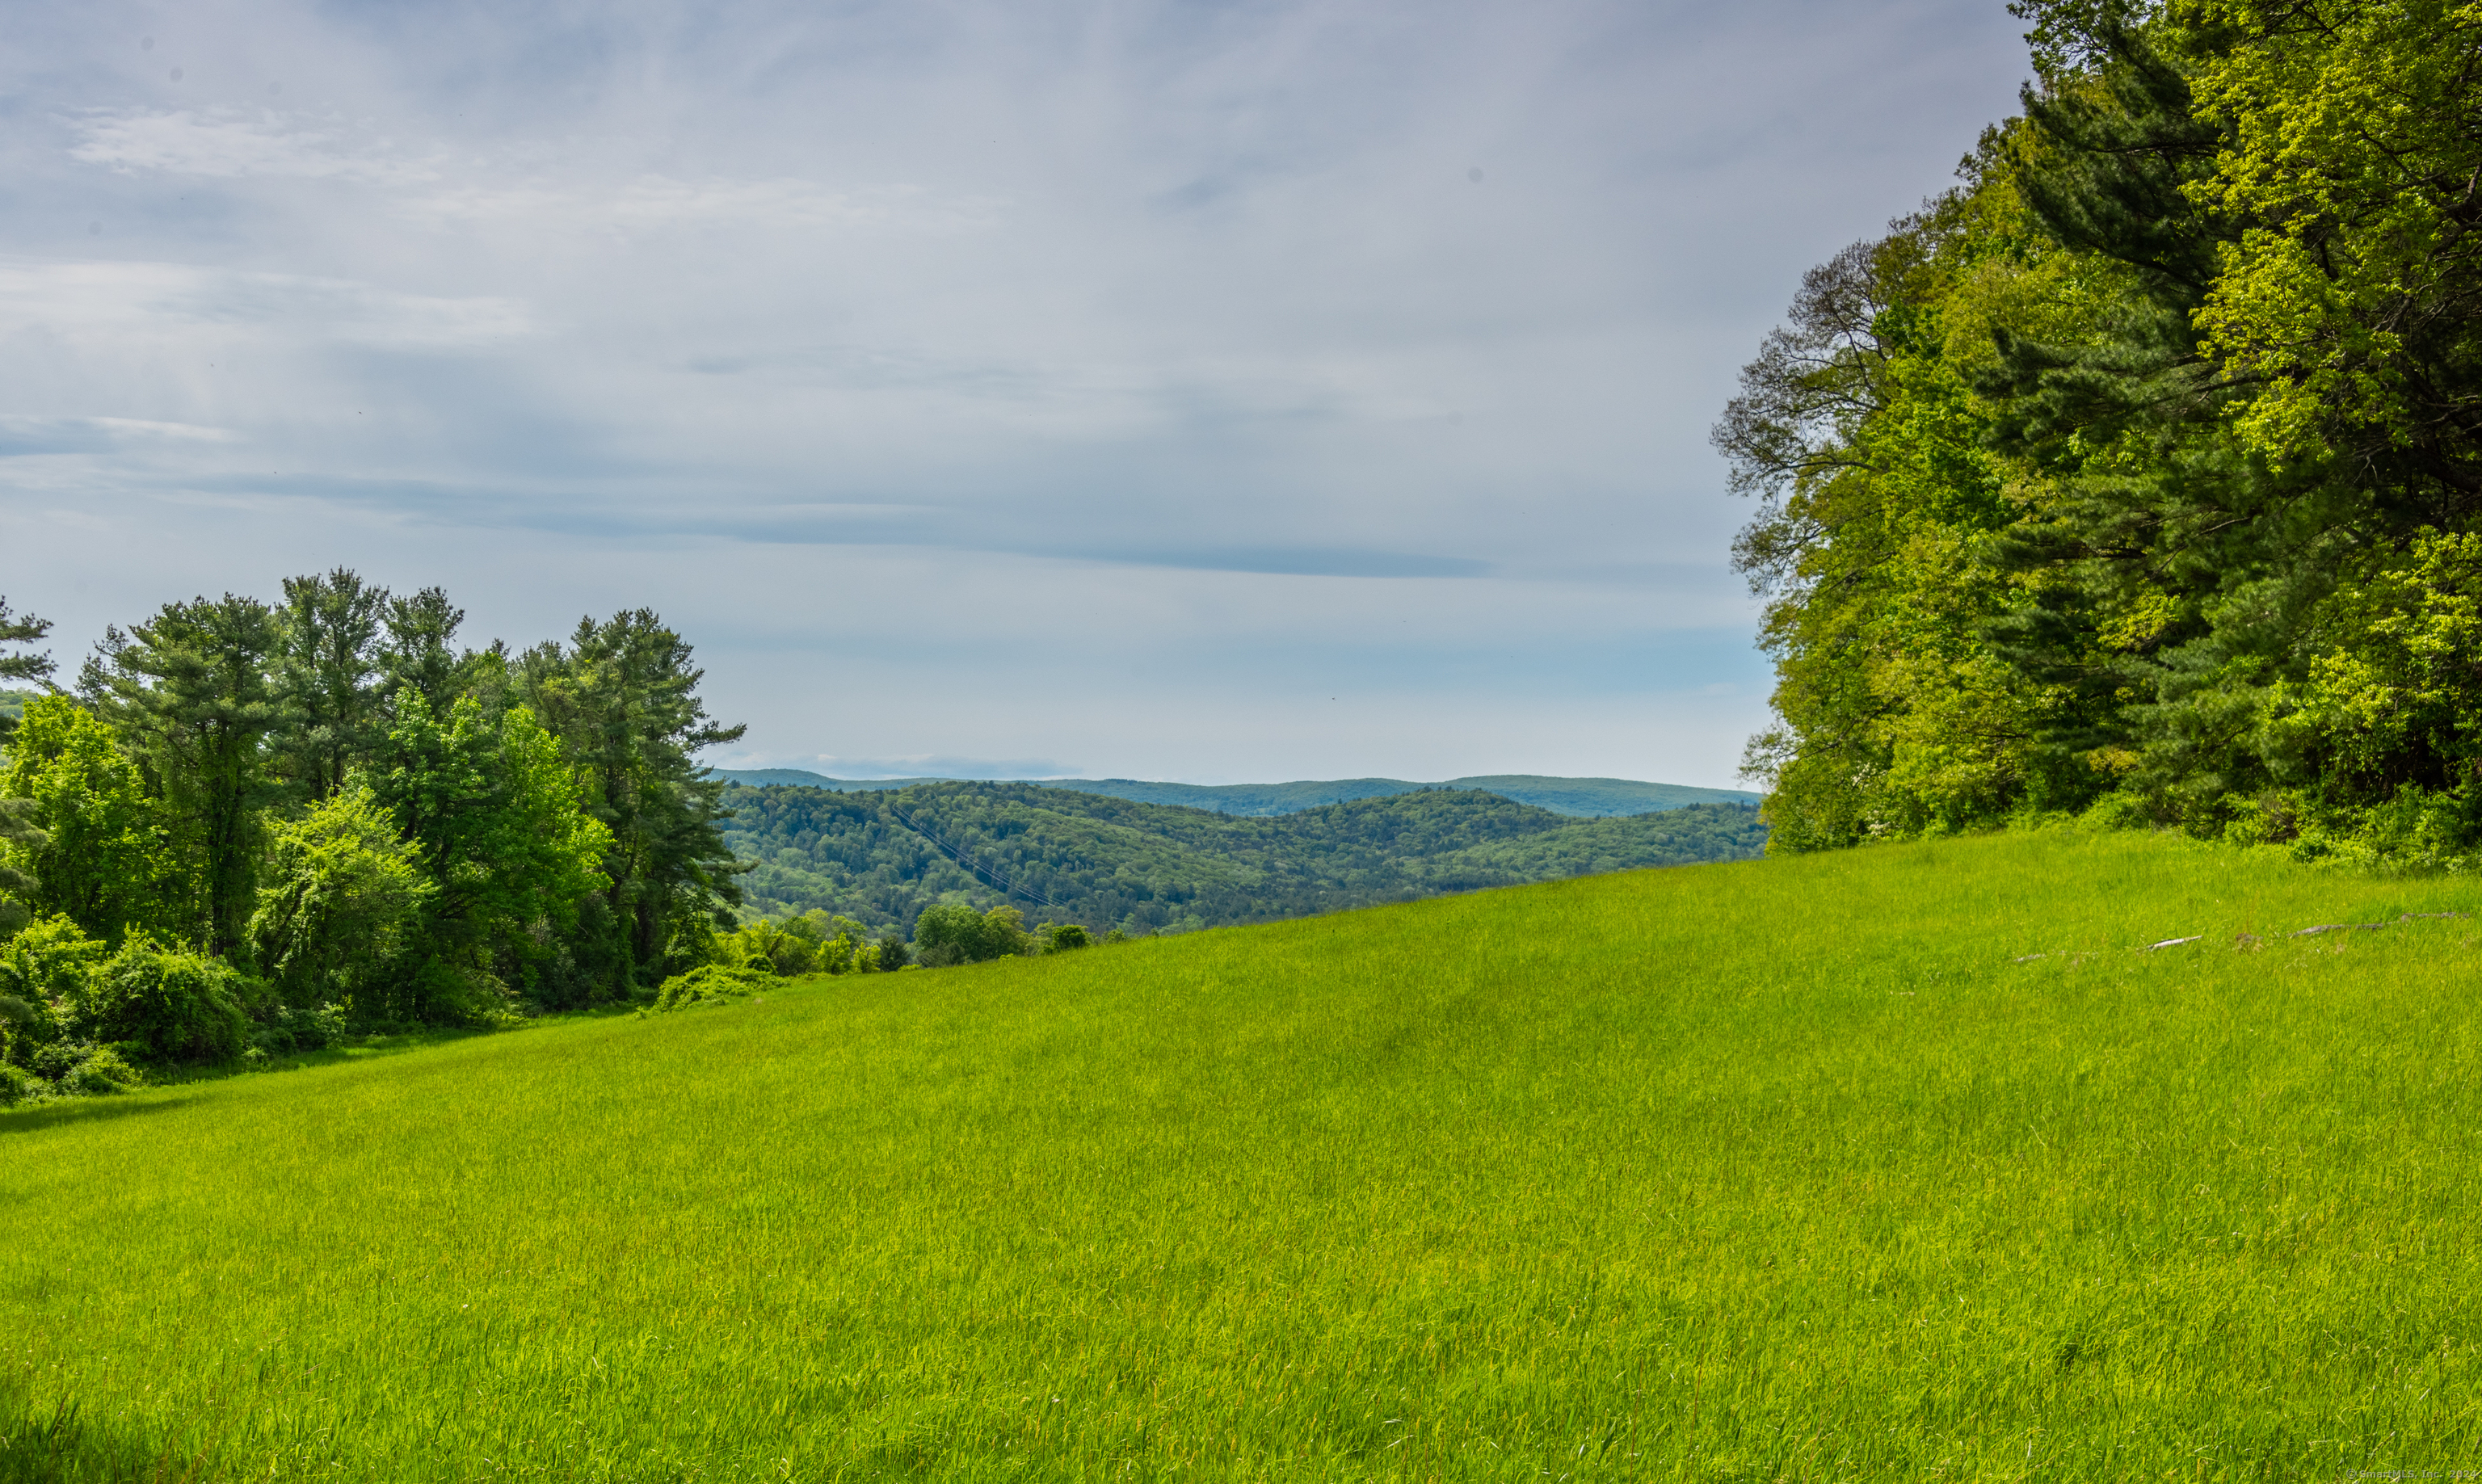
pixel 1778 1170
pixel 1590 797
pixel 1105 863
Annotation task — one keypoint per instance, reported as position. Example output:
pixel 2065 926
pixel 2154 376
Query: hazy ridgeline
pixel 881 858
pixel 1780 1170
pixel 1593 797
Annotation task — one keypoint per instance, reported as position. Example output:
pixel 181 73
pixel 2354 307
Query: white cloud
pixel 227 144
pixel 432 186
pixel 895 349
pixel 79 298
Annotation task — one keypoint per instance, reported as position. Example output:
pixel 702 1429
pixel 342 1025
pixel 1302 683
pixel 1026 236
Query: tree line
pixel 269 824
pixel 2139 472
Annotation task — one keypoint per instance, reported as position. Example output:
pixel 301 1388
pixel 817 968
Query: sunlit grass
pixel 1778 1170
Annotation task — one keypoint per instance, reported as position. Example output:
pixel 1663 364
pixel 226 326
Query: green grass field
pixel 1774 1170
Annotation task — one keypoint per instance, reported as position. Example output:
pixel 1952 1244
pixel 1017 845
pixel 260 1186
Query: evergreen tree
pixel 329 670
pixel 21 629
pixel 622 699
pixel 193 694
pixel 421 655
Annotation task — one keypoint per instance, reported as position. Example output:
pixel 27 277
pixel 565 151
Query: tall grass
pixel 1781 1170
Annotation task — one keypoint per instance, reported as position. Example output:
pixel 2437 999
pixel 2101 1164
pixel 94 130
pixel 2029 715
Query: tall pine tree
pixel 195 695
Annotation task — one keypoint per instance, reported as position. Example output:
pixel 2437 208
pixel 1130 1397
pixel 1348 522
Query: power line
pixel 1005 885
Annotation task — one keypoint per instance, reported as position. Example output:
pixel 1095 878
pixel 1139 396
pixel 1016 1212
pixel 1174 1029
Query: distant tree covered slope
pixel 883 856
pixel 1579 796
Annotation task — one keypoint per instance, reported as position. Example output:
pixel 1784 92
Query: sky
pixel 1213 392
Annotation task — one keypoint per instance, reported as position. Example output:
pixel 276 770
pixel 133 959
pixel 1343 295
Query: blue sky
pixel 1201 391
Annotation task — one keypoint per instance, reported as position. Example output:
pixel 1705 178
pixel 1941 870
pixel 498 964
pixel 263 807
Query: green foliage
pixel 328 669
pixel 331 793
pixel 2343 295
pixel 711 984
pixel 1145 869
pixel 45 969
pixel 622 697
pixel 18 1085
pixel 101 858
pixel 492 815
pixel 1758 1171
pixel 2139 462
pixel 953 932
pixel 19 629
pixel 343 901
pixel 283 1029
pixel 815 941
pixel 172 1006
pixel 94 1071
pixel 19 839
pixel 192 695
pixel 1061 938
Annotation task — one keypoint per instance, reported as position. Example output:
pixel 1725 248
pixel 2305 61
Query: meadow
pixel 1798 1169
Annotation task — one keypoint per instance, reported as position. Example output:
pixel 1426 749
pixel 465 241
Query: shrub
pixel 49 962
pixel 341 899
pixel 173 1006
pixel 25 1024
pixel 709 983
pixel 441 991
pixel 18 1085
pixel 289 1029
pixel 952 934
pixel 101 1072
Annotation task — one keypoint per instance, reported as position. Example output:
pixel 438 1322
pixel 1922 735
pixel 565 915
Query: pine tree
pixel 622 699
pixel 193 694
pixel 328 672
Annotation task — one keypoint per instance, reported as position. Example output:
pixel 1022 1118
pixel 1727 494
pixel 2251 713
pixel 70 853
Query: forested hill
pixel 1064 856
pixel 1589 797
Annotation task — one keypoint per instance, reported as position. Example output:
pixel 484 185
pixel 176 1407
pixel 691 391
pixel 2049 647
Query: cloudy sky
pixel 1212 391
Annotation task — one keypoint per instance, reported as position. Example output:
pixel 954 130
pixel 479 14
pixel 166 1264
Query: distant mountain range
pixel 1589 798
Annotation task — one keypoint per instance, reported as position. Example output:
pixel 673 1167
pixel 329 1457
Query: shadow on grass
pixel 58 1445
pixel 91 1108
pixel 81 1110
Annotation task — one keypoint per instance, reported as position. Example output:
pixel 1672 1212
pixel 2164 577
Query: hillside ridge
pixel 1587 798
pixel 881 857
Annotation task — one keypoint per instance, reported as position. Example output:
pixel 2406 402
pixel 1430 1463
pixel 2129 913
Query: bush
pixel 101 1072
pixel 49 962
pixel 25 1024
pixel 289 1029
pixel 709 983
pixel 1064 938
pixel 84 1066
pixel 952 934
pixel 18 1085
pixel 173 1006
